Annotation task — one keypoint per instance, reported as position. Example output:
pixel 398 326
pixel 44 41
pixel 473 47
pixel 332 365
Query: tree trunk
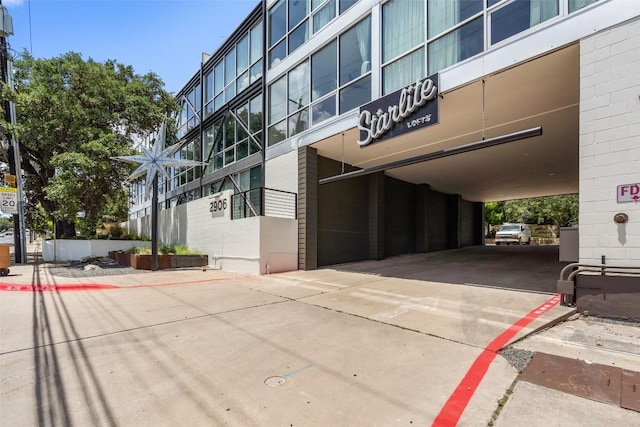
pixel 65 230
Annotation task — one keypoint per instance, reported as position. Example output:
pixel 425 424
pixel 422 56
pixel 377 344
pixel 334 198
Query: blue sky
pixel 163 36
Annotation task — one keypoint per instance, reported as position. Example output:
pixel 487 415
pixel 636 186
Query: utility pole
pixel 13 151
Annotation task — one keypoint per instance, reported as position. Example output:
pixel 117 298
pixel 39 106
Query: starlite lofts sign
pixel 409 109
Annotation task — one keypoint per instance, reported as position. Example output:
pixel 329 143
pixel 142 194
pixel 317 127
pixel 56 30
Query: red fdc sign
pixel 628 193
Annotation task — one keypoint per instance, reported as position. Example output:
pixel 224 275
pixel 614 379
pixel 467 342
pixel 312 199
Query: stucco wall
pixel 244 245
pixel 609 144
pixel 281 173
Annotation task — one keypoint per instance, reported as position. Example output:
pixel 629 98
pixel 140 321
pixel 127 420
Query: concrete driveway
pixel 337 346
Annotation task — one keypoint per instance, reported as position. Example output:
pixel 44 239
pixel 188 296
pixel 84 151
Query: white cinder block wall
pixel 609 143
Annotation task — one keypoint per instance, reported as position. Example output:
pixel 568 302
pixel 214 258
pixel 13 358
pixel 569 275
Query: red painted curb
pixel 55 288
pixel 454 407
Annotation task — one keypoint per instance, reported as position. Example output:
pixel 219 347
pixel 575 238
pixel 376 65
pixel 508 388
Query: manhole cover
pixel 275 381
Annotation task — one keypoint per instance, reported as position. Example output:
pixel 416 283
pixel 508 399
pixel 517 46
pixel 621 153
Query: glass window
pixel 229 132
pixel 208 87
pixel 209 139
pixel 256 43
pixel 355 52
pixel 242 52
pixel 298 36
pixel 456 46
pixel 402 27
pixel 242 149
pixel 278 53
pixel 218 102
pixel 324 15
pixel 445 14
pixel 297 12
pixel 256 72
pixel 299 122
pixel 230 92
pixel 198 98
pixel 243 115
pixel 219 77
pixel 277 132
pixel 346 4
pixel 579 4
pixel 277 22
pixel 403 72
pixel 520 15
pixel 324 71
pixel 298 87
pixel 229 156
pixel 277 98
pixel 243 82
pixel 255 177
pixel 323 110
pixel 355 95
pixel 230 67
pixel 255 114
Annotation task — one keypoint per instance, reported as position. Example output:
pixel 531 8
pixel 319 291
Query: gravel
pixel 92 267
pixel 517 358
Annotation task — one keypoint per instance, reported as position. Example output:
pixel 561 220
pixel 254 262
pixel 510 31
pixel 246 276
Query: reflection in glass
pixel 277 22
pixel 298 36
pixel 520 15
pixel 323 110
pixel 355 52
pixel 242 53
pixel 456 46
pixel 256 43
pixel 355 95
pixel 278 53
pixel 445 14
pixel 324 15
pixel 298 87
pixel 278 132
pixel 579 4
pixel 299 122
pixel 400 38
pixel 277 100
pixel 297 12
pixel 324 71
pixel 403 72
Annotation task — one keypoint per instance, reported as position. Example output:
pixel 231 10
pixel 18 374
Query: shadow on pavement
pixel 527 268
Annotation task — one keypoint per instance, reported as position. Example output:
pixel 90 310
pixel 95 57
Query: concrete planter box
pixel 143 262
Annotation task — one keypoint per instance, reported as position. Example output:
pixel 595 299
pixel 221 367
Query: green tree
pixel 493 214
pixel 72 116
pixel 560 210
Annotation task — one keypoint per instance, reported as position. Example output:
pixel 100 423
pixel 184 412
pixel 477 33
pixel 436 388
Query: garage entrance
pixel 438 204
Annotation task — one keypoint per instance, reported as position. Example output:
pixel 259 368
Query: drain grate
pixel 275 381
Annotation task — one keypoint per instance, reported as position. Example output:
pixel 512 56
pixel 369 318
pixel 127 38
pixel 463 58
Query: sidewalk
pixel 323 347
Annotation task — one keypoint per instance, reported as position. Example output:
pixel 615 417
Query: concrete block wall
pixel 609 143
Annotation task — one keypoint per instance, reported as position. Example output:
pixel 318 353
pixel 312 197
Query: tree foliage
pixel 560 211
pixel 72 116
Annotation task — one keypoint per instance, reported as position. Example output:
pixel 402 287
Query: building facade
pixel 341 131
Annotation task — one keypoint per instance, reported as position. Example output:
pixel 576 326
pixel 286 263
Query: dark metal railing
pixel 264 202
pixel 567 281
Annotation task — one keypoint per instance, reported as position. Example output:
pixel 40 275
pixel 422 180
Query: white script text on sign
pixel 628 193
pixel 9 200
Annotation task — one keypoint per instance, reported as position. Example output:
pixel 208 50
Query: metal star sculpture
pixel 152 164
pixel 154 161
